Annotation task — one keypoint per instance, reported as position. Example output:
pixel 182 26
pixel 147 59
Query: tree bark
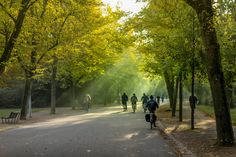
pixel 170 87
pixel 175 96
pixel 53 85
pixel 26 96
pixel 205 14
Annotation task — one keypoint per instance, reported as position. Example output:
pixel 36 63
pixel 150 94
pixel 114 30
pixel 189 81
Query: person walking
pixel 134 100
pixel 124 99
pixel 144 100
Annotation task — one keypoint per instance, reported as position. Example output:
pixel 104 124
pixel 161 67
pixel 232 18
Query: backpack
pixel 152 105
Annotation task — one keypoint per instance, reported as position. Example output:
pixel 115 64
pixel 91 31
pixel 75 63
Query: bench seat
pixel 12 118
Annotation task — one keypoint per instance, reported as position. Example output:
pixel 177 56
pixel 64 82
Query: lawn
pixel 5 112
pixel 210 111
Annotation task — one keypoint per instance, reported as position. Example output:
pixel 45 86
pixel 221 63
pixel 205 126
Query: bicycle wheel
pixel 151 120
pixel 134 107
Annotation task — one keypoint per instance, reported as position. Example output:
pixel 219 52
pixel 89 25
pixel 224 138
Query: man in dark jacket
pixel 134 100
pixel 144 102
pixel 124 100
pixel 152 105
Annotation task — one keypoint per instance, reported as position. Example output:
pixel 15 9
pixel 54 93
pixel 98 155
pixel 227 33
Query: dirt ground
pixel 200 141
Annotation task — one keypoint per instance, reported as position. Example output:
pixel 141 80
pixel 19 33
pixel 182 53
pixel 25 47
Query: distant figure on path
pixel 144 100
pixel 193 101
pixel 124 99
pixel 134 100
pixel 158 99
pixel 162 98
pixel 87 102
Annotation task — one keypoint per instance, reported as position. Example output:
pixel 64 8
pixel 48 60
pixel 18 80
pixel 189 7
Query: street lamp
pixel 192 98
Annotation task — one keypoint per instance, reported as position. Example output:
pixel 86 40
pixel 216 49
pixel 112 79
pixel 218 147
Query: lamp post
pixel 192 98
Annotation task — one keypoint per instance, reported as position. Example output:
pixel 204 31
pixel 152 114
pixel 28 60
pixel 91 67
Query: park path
pixel 100 133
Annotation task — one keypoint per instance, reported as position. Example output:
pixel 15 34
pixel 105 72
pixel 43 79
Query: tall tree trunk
pixel 30 103
pixel 73 90
pixel 205 14
pixel 53 85
pixel 26 96
pixel 180 97
pixel 175 96
pixel 170 87
pixel 229 94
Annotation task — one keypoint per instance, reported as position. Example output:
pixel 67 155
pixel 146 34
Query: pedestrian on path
pixel 124 99
pixel 134 100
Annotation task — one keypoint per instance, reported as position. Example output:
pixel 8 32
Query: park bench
pixel 12 118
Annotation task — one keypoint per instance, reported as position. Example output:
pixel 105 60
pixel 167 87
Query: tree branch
pixel 5 10
pixel 32 3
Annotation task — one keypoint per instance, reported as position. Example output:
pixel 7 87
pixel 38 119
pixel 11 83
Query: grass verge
pixel 4 112
pixel 209 110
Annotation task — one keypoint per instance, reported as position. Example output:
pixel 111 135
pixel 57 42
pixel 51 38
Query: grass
pixel 209 110
pixel 4 112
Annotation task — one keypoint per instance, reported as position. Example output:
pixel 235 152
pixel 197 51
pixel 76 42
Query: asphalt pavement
pixel 102 132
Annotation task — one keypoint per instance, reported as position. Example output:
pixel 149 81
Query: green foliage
pixel 84 36
pixel 226 25
pixel 165 36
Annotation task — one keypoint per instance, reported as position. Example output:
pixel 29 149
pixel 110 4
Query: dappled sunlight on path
pixel 74 119
pixel 102 132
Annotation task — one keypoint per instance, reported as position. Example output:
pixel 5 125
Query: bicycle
pixel 152 119
pixel 134 107
pixel 144 107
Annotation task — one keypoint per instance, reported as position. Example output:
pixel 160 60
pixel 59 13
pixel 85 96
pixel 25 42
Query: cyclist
pixel 144 100
pixel 134 100
pixel 152 105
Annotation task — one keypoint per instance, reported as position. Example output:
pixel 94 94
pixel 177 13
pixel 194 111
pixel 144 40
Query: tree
pixel 205 13
pixel 164 35
pixel 225 26
pixel 94 48
pixel 11 30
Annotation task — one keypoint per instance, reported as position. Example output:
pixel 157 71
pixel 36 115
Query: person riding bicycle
pixel 144 100
pixel 152 105
pixel 134 100
pixel 124 99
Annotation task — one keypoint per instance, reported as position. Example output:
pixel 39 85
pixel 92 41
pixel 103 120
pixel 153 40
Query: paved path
pixel 100 133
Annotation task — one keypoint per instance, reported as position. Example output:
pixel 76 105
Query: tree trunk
pixel 73 90
pixel 205 13
pixel 30 103
pixel 53 85
pixel 229 94
pixel 180 97
pixel 175 96
pixel 26 96
pixel 170 87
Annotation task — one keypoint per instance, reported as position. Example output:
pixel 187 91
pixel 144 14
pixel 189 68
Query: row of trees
pixel 65 42
pixel 73 42
pixel 180 39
